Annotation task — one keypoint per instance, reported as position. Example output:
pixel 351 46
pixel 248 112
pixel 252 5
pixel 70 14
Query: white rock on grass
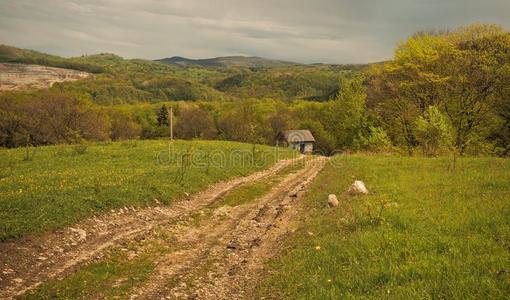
pixel 332 200
pixel 358 188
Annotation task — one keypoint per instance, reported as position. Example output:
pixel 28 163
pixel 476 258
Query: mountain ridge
pixel 228 61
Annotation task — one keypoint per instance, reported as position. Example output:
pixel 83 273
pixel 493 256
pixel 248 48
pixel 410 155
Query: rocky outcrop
pixel 23 76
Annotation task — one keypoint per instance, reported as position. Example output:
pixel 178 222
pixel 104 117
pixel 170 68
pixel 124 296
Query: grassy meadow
pixel 424 232
pixel 116 275
pixel 54 186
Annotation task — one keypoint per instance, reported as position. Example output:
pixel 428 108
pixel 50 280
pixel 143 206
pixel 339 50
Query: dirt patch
pixel 26 263
pixel 224 256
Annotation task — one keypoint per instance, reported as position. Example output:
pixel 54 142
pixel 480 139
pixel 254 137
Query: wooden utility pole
pixel 171 117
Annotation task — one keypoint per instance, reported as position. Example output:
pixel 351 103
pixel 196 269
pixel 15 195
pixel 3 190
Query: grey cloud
pixel 336 31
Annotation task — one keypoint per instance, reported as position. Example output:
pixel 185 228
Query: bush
pixel 324 141
pixel 50 119
pixel 479 146
pixel 433 132
pixel 124 126
pixel 376 140
pixel 194 122
pixel 149 124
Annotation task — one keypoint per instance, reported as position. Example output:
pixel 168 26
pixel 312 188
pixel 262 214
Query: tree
pixel 194 122
pixel 374 140
pixel 324 141
pixel 163 116
pixel 123 125
pixel 245 123
pixel 280 121
pixel 459 72
pixel 501 132
pixel 433 132
pixel 344 116
pixel 50 118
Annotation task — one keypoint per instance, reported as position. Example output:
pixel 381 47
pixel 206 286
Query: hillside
pixel 127 81
pixel 229 62
pixel 23 76
pixel 11 54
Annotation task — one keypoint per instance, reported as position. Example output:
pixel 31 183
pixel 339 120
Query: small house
pixel 301 140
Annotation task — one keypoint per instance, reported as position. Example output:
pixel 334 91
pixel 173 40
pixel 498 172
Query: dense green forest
pixel 121 81
pixel 443 93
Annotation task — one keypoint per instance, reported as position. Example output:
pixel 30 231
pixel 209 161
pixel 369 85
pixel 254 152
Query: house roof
pixel 293 136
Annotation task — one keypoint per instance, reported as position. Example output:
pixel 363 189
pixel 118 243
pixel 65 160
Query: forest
pixel 444 92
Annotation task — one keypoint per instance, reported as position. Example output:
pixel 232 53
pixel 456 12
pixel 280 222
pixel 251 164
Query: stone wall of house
pixel 297 146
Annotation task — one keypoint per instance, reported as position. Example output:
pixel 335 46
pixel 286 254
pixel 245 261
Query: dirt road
pixel 217 257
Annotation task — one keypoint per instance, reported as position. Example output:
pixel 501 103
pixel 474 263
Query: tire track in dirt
pixel 223 258
pixel 27 262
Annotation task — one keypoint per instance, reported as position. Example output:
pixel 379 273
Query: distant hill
pixel 229 62
pixel 9 54
pixel 121 81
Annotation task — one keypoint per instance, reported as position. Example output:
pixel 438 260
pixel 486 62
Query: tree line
pixel 446 90
pixel 49 117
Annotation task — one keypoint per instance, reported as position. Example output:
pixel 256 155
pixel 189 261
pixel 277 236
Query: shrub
pixel 194 122
pixel 433 132
pixel 376 140
pixel 48 118
pixel 124 126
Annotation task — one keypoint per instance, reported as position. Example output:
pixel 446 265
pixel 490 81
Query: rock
pixel 42 258
pixel 293 193
pixel 223 211
pixel 82 234
pixel 332 200
pixel 8 271
pixel 17 280
pixel 358 188
pixel 131 255
pixel 233 244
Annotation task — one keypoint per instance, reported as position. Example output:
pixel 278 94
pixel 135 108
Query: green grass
pixel 112 277
pixel 106 279
pixel 441 234
pixel 56 186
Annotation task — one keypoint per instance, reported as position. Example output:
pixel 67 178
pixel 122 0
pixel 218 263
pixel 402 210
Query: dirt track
pixel 217 258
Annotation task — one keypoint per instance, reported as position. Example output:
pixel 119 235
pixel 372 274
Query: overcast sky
pixel 331 31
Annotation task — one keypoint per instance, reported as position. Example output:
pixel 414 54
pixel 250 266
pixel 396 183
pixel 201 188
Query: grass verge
pixel 423 232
